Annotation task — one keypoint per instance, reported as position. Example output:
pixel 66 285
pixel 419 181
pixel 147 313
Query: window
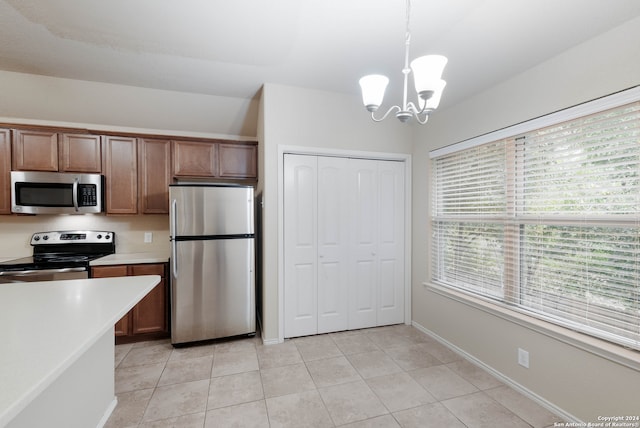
pixel 547 220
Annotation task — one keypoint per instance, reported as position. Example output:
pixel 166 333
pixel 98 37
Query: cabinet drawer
pixel 153 269
pixel 108 271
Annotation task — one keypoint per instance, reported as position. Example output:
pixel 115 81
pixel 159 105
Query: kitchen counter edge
pixel 130 259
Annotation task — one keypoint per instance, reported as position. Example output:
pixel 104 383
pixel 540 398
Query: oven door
pixel 43 275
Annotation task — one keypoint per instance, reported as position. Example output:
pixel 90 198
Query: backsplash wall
pixel 16 231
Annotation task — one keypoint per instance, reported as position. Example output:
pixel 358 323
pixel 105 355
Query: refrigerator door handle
pixel 174 243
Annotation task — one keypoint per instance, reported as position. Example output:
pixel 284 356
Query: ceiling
pixel 231 47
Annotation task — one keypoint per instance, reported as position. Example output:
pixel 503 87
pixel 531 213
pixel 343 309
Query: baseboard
pixel 505 379
pixel 108 412
pixel 270 341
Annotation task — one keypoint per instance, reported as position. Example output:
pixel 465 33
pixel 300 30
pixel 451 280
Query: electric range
pixel 59 255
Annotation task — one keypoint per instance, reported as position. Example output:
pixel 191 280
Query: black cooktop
pixel 49 261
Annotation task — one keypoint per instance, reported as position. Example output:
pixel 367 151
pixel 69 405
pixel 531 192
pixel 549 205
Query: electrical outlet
pixel 523 358
pixel 148 237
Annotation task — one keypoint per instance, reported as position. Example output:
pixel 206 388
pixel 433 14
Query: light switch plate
pixel 523 358
pixel 148 237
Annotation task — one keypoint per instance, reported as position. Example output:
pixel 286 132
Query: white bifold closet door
pixel 343 244
pixel 376 292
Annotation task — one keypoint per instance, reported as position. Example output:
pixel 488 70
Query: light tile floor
pixel 392 376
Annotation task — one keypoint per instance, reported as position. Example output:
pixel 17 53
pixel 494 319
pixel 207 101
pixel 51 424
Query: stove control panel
pixel 73 237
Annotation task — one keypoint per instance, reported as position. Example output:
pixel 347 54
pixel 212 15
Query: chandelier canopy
pixel 427 78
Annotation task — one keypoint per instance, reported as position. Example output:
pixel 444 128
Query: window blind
pixel 547 222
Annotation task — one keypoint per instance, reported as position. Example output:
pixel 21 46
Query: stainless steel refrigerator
pixel 212 262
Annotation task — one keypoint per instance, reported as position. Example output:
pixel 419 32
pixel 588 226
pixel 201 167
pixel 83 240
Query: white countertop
pixel 47 326
pixel 130 258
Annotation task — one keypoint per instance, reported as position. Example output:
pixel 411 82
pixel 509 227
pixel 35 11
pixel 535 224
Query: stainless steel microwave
pixel 56 193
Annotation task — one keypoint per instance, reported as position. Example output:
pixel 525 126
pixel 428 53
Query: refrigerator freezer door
pixel 213 295
pixel 211 210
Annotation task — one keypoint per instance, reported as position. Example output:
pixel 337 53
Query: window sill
pixel 612 352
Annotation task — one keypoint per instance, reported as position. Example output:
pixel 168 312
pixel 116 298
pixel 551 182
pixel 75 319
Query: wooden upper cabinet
pixel 238 161
pixel 50 151
pixel 215 159
pixel 154 175
pixel 5 171
pixel 195 159
pixel 120 167
pixel 35 150
pixel 80 153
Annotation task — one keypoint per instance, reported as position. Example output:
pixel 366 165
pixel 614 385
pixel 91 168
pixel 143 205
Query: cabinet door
pixel 35 151
pixel 123 326
pixel 108 271
pixel 80 153
pixel 121 176
pixel 195 159
pixel 5 172
pixel 149 315
pixel 238 161
pixel 154 175
pixel 300 244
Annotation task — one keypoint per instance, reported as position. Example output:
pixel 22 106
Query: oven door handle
pixel 75 194
pixel 40 271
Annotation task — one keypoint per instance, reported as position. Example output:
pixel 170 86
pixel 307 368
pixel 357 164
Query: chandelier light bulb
pixel 427 74
pixel 373 87
pixel 433 102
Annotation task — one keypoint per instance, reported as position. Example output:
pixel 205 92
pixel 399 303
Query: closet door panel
pixel 304 305
pixel 333 244
pixel 300 244
pixel 363 251
pixel 362 296
pixel 390 303
pixel 391 243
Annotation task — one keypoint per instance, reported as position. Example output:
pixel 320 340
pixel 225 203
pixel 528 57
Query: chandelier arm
pixel 413 109
pixel 422 122
pixel 385 115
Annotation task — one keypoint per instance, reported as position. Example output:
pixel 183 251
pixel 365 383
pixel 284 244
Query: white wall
pixel 28 98
pixel 301 117
pixel 582 384
pixel 16 231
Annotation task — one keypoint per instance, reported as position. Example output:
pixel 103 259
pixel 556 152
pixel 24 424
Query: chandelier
pixel 427 72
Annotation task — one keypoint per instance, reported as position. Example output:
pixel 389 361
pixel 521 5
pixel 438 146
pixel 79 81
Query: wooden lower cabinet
pixel 149 319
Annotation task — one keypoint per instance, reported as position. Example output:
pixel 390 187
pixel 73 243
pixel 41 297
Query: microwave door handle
pixel 75 194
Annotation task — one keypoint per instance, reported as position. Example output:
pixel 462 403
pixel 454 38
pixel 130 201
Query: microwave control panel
pixel 87 195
